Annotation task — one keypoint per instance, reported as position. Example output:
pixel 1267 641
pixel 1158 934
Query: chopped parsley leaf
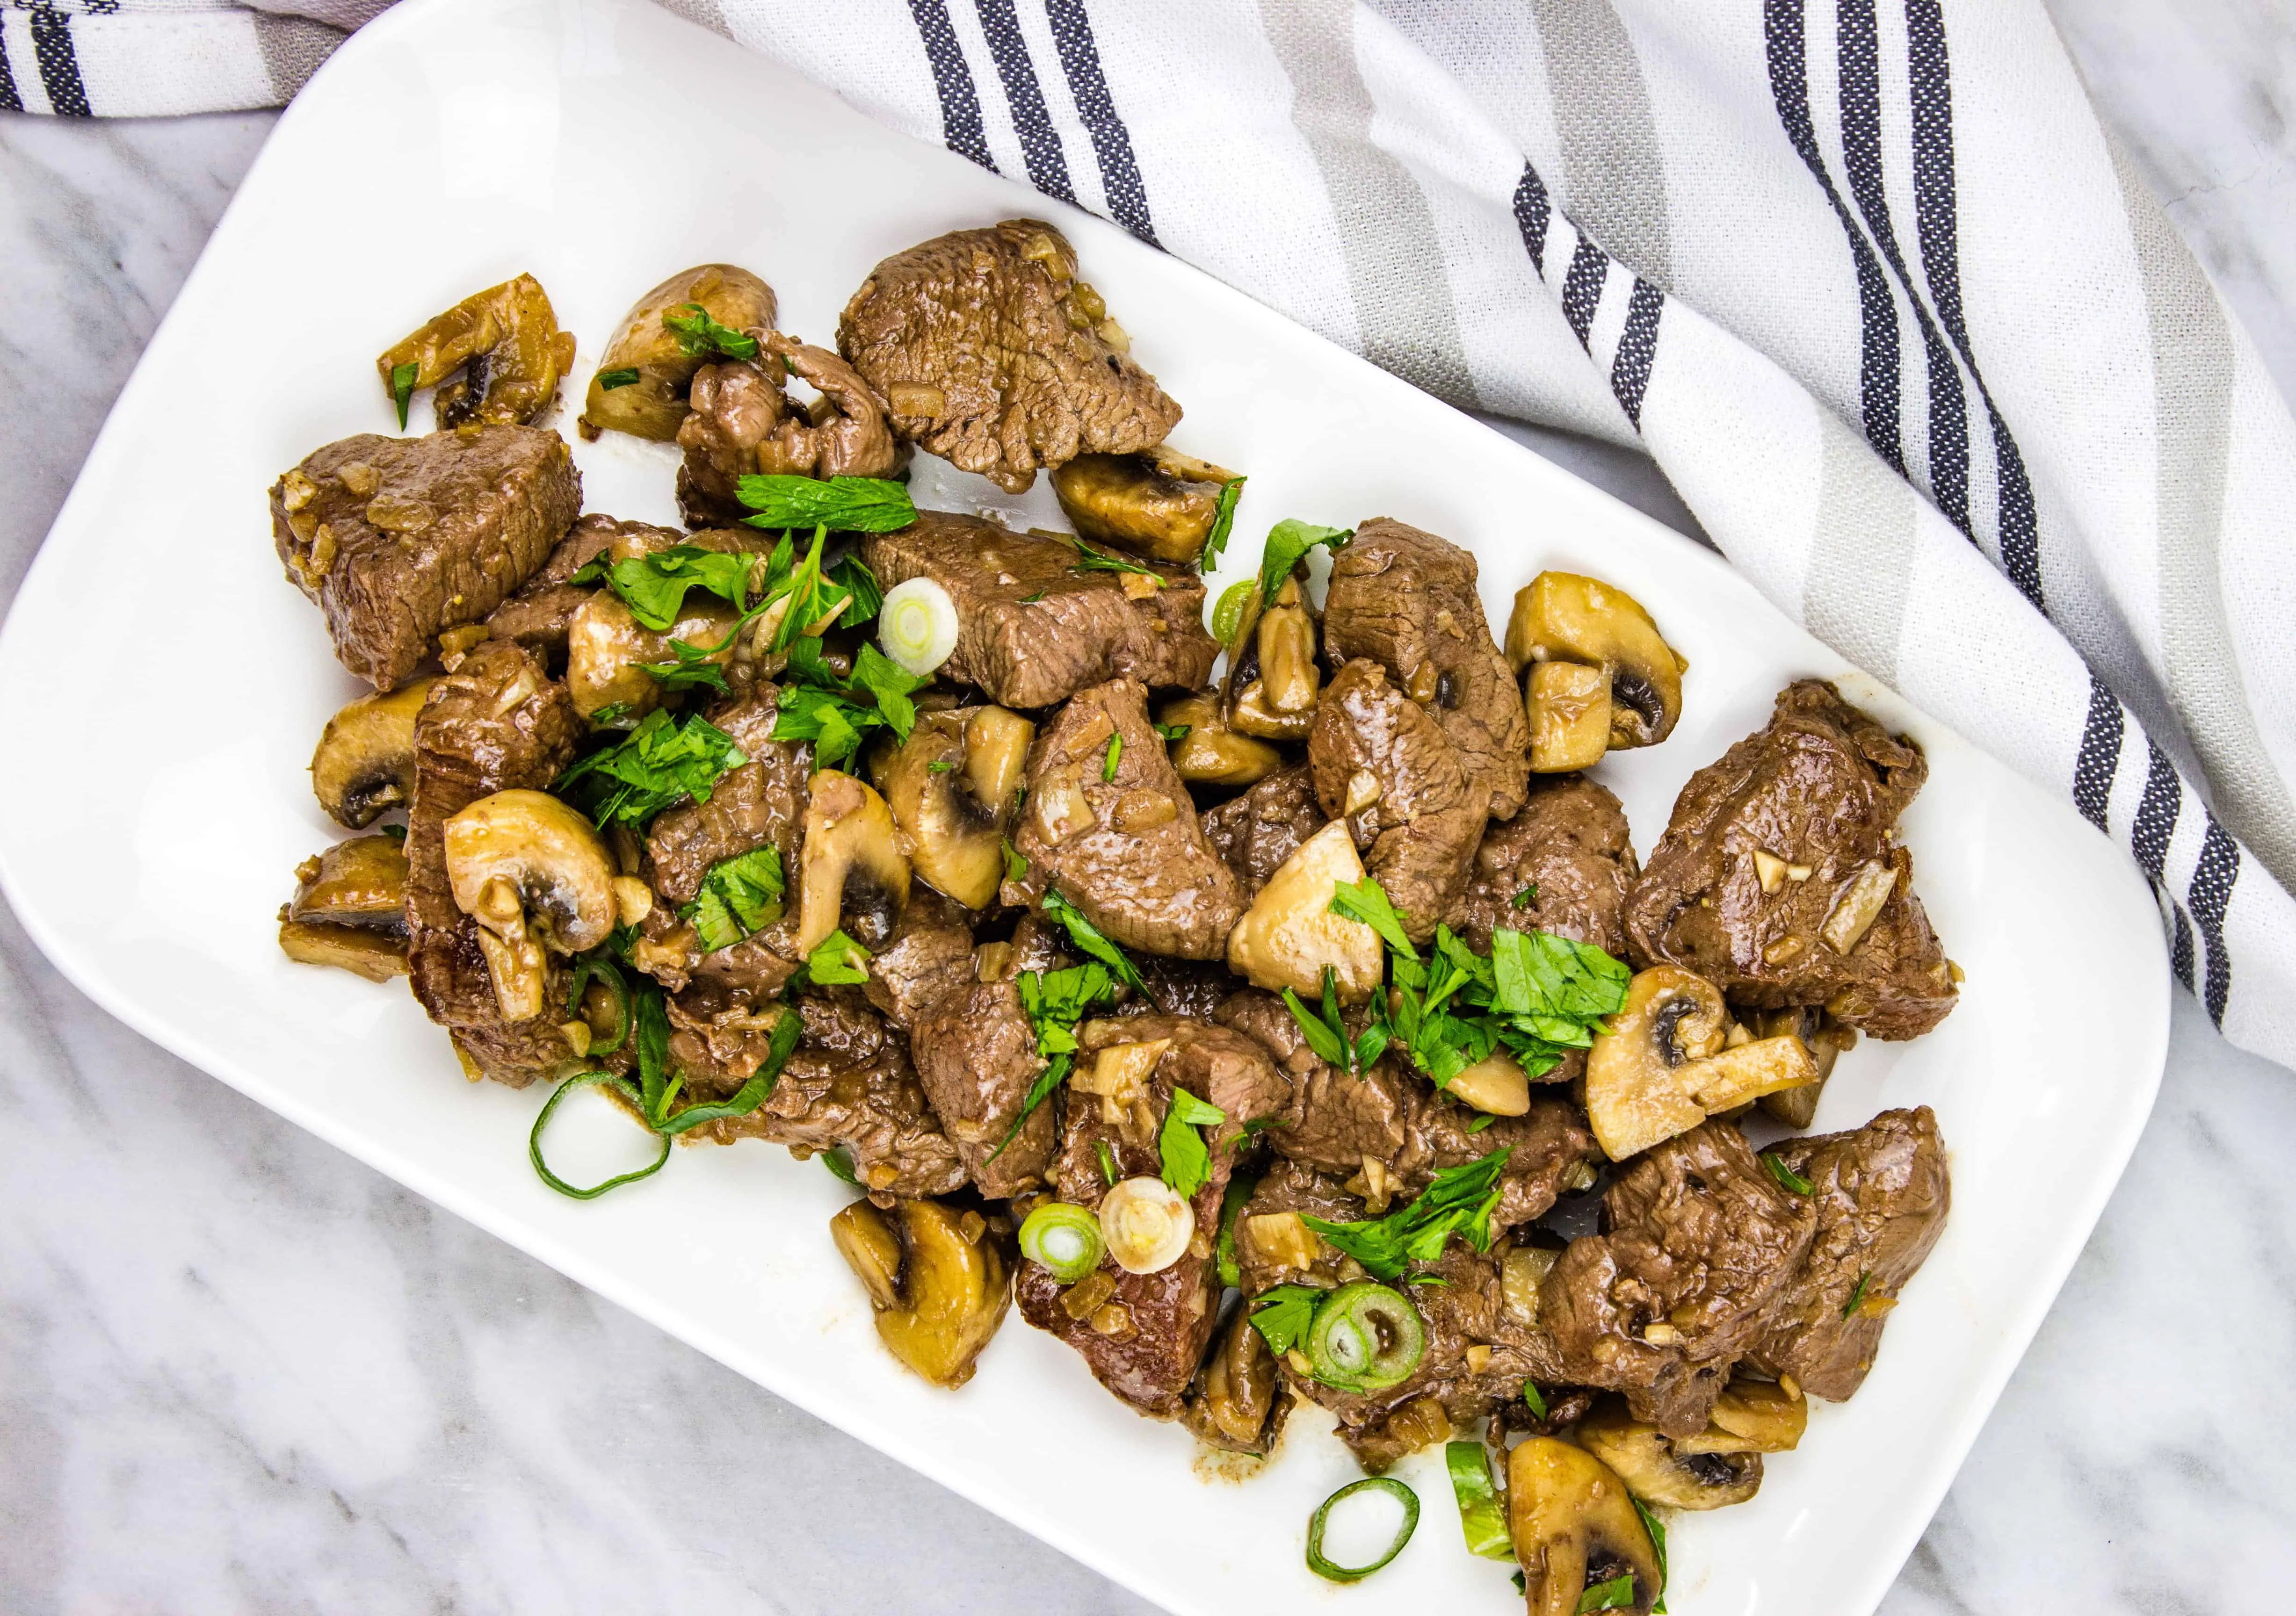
pixel 1187 1161
pixel 1287 541
pixel 699 336
pixel 1787 1178
pixel 842 504
pixel 1107 763
pixel 1283 1313
pixel 740 895
pixel 658 764
pixel 608 380
pixel 836 960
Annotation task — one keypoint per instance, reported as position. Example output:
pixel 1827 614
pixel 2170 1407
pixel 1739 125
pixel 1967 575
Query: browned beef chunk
pixel 850 1084
pixel 1766 842
pixel 760 804
pixel 1145 1334
pixel 1123 845
pixel 1406 599
pixel 1388 1133
pixel 400 538
pixel 1258 830
pixel 1702 1246
pixel 1881 1195
pixel 537 615
pixel 1478 1349
pixel 1562 865
pixel 496 723
pixel 928 955
pixel 993 357
pixel 1416 817
pixel 1032 629
pixel 743 424
pixel 1192 988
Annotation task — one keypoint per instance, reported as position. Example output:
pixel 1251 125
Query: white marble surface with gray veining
pixel 240 1372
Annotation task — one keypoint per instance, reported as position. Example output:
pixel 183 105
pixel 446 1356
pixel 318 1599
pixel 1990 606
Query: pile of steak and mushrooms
pixel 1249 1003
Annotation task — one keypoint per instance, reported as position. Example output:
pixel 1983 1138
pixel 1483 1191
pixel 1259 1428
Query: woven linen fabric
pixel 1867 278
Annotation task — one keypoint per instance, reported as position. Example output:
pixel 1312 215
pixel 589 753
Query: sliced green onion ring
pixel 1482 1517
pixel 1365 1338
pixel 534 1140
pixel 917 625
pixel 1356 1573
pixel 1063 1239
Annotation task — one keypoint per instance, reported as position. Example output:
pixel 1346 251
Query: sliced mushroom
pixel 936 1281
pixel 851 864
pixel 952 789
pixel 1569 708
pixel 364 765
pixel 1751 1416
pixel 1657 1471
pixel 1285 640
pixel 1574 1527
pixel 1290 935
pixel 1233 1404
pixel 1671 1018
pixel 607 649
pixel 654 404
pixel 374 954
pixel 537 876
pixel 360 882
pixel 1826 1038
pixel 1211 754
pixel 1564 616
pixel 1495 1085
pixel 1160 503
pixel 1746 1072
pixel 505 342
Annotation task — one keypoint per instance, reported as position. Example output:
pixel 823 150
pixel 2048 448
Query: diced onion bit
pixel 1147 1225
pixel 1388 1485
pixel 917 625
pixel 1063 1239
pixel 1365 1338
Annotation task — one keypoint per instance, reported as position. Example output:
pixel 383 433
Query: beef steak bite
pixel 1778 881
pixel 1406 599
pixel 1702 1248
pixel 1033 627
pixel 1144 1334
pixel 928 955
pixel 1381 763
pixel 1109 826
pixel 1258 831
pixel 399 539
pixel 1387 1133
pixel 848 1084
pixel 496 723
pixel 1881 1195
pixel 539 614
pixel 993 355
pixel 742 423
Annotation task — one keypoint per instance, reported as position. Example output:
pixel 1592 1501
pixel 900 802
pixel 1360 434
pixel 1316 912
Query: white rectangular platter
pixel 157 659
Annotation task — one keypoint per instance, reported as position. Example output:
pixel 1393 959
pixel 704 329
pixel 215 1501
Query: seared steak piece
pixel 1882 1195
pixel 496 723
pixel 400 538
pixel 1123 844
pixel 850 1083
pixel 1702 1247
pixel 537 615
pixel 760 803
pixel 977 1057
pixel 1467 1310
pixel 1192 988
pixel 1034 628
pixel 1257 832
pixel 742 423
pixel 1381 762
pixel 1568 851
pixel 1145 1336
pixel 1776 850
pixel 928 955
pixel 1389 1131
pixel 994 357
pixel 1406 599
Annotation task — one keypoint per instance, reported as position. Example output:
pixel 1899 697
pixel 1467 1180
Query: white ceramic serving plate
pixel 602 143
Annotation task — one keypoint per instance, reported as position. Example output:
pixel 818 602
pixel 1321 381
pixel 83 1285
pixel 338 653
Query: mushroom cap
pixel 1634 1097
pixel 654 406
pixel 951 788
pixel 1158 504
pixel 365 762
pixel 938 1284
pixel 1567 617
pixel 852 850
pixel 1657 1472
pixel 1574 1525
pixel 552 857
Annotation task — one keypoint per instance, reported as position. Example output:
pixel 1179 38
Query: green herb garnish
pixel 1327 1034
pixel 1459 1200
pixel 842 504
pixel 1232 1204
pixel 836 960
pixel 852 575
pixel 1534 1400
pixel 1174 732
pixel 1287 541
pixel 1482 1514
pixel 1656 1528
pixel 816 704
pixel 1108 762
pixel 1858 1296
pixel 839 1163
pixel 1366 900
pixel 1787 1176
pixel 608 380
pixel 599 965
pixel 402 388
pixel 698 335
pixel 1283 1313
pixel 658 764
pixel 1054 1001
pixel 1090 940
pixel 1481 1122
pixel 1015 866
pixel 1227 617
pixel 1107 1161
pixel 654 586
pixel 1223 521
pixel 740 895
pixel 1089 559
pixel 1187 1161
pixel 1528 897
pixel 1616 1595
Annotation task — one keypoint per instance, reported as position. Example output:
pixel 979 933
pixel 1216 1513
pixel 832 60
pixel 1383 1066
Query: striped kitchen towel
pixel 1867 278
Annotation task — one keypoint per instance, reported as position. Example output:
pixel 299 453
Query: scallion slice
pixel 1388 1485
pixel 1063 1239
pixel 534 1140
pixel 917 625
pixel 1482 1518
pixel 1365 1338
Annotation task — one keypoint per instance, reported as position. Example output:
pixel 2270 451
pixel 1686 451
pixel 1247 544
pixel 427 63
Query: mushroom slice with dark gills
pixel 1659 1471
pixel 1238 1401
pixel 851 873
pixel 505 344
pixel 938 1283
pixel 538 879
pixel 1160 503
pixel 741 422
pixel 1779 880
pixel 640 385
pixel 1575 1528
pixel 1384 764
pixel 1109 826
pixel 364 765
pixel 996 357
pixel 1143 1333
pixel 952 788
pixel 1272 680
pixel 1670 1062
pixel 1565 618
pixel 1407 600
pixel 1703 1245
pixel 350 908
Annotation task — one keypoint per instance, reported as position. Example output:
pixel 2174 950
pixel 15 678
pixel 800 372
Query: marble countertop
pixel 240 1371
